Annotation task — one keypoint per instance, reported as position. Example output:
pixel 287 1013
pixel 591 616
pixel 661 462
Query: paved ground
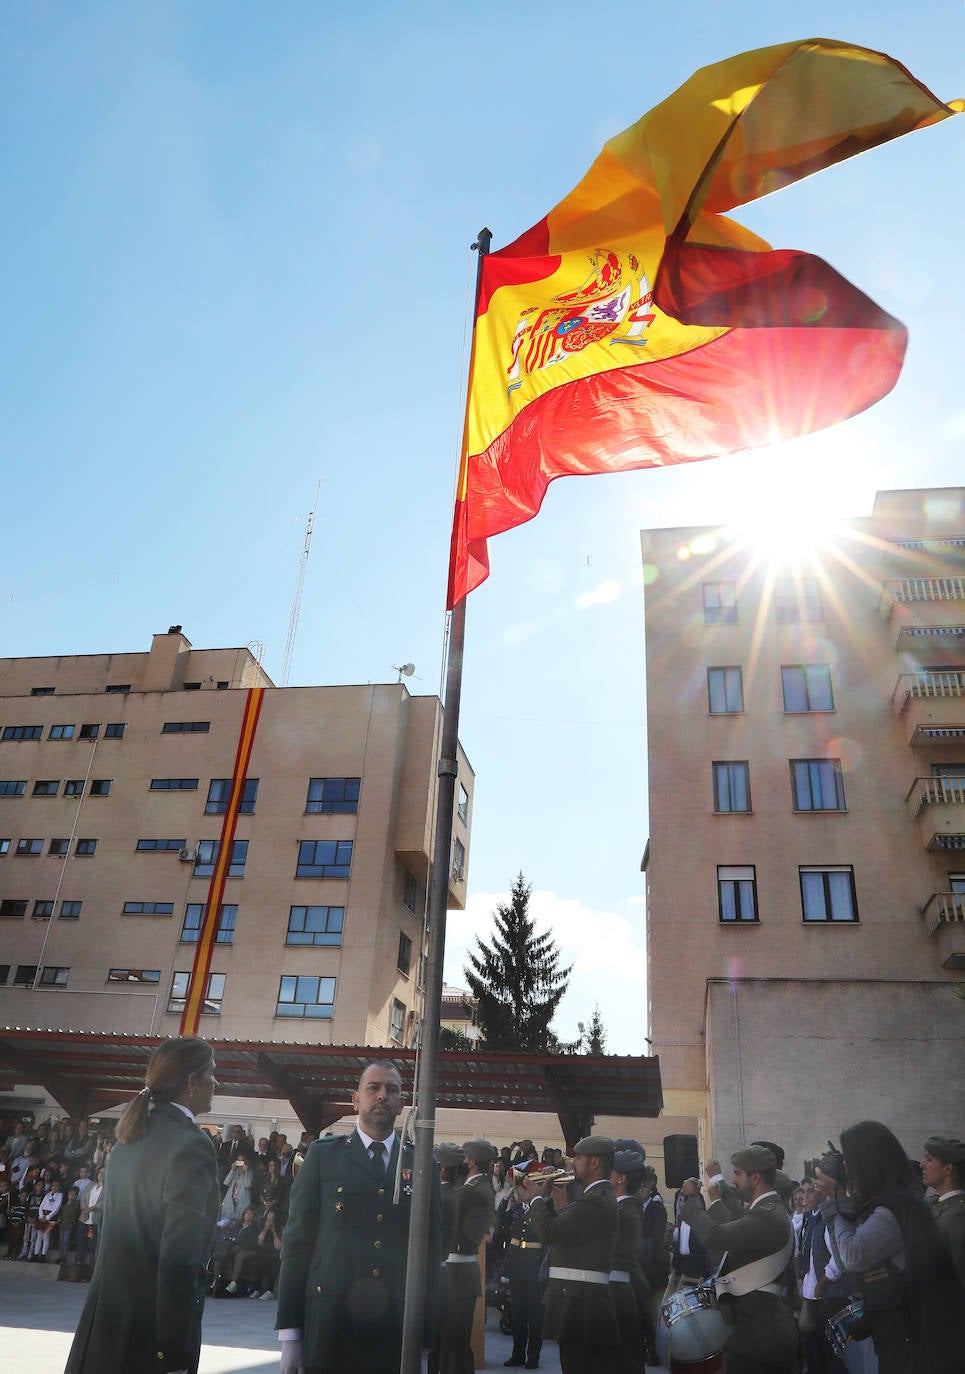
pixel 38 1317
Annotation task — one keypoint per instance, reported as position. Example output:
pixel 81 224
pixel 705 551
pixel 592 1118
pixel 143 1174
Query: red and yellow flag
pixel 636 326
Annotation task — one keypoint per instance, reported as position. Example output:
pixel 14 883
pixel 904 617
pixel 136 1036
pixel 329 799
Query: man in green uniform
pixel 943 1168
pixel 759 1243
pixel 477 1210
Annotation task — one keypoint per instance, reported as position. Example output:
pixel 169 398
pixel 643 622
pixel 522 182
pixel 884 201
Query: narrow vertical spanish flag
pixel 636 326
pixel 194 1002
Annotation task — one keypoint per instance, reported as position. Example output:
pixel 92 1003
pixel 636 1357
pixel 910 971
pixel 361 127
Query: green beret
pixel 753 1159
pixel 946 1148
pixel 594 1145
pixel 480 1151
pixel 449 1155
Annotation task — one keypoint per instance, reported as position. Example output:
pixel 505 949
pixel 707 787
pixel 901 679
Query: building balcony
pixel 916 638
pixel 931 705
pixel 919 593
pixel 944 915
pixel 938 807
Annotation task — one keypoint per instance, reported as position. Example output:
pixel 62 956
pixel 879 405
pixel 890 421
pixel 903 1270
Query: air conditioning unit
pixel 458 873
pixel 187 856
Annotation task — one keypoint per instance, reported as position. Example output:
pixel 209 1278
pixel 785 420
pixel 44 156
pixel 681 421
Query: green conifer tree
pixel 516 980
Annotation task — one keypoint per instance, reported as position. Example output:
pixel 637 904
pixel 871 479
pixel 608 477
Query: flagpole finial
pixel 483 240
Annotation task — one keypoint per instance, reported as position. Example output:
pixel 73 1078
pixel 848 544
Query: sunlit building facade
pixel 806 860
pixel 115 774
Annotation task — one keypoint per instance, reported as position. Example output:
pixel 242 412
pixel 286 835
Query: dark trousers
pixel 455 1337
pixel 891 1338
pixel 526 1302
pixel 586 1359
pixel 743 1364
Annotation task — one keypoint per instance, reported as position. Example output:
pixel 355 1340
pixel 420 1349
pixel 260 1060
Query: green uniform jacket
pixel 343 1257
pixel 950 1216
pixel 144 1304
pixel 582 1236
pixel 477 1212
pixel 763 1327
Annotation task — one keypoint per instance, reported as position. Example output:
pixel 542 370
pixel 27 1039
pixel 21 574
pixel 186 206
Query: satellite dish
pixel 404 669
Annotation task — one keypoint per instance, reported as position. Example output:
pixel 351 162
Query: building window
pixel 100 787
pixel 191 686
pixel 797 599
pixel 303 996
pixel 118 689
pixel 12 909
pixel 404 960
pixel 732 787
pixel 30 848
pixel 25 975
pixel 194 918
pixel 807 687
pixel 21 732
pixel 42 911
pixel 83 849
pixel 462 810
pixel 4 974
pixel 185 727
pixel 397 1021
pixel 148 909
pixel 13 787
pixel 219 792
pixel 4 847
pixel 333 796
pixel 61 732
pixel 51 977
pixel 324 858
pixel 315 925
pixel 737 892
pixel 74 787
pixel 720 603
pixel 410 891
pixel 827 894
pixel 89 731
pixel 41 691
pixel 70 911
pixel 115 730
pixel 174 785
pixel 458 859
pixel 208 857
pixel 134 975
pixel 159 846
pixel 46 787
pixel 214 993
pixel 725 691
pixel 817 785
pixel 58 848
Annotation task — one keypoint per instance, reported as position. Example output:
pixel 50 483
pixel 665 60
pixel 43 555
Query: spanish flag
pixel 637 326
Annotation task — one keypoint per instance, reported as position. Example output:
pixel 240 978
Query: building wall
pixel 867 647
pixel 378 733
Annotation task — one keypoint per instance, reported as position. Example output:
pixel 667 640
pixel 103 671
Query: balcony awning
pixel 87 1073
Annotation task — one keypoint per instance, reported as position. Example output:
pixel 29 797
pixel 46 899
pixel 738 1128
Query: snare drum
pixel 841 1325
pixel 692 1332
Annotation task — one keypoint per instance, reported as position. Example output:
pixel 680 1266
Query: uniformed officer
pixel 943 1168
pixel 582 1237
pixel 631 1292
pixel 341 1288
pixel 524 1255
pixel 759 1243
pixel 477 1210
pixel 452 1174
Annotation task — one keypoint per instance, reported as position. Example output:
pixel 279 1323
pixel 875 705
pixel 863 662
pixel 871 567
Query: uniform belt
pixel 456 1258
pixel 527 1244
pixel 619 1276
pixel 579 1275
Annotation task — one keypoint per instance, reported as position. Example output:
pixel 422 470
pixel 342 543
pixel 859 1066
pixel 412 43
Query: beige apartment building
pixel 806 859
pixel 115 771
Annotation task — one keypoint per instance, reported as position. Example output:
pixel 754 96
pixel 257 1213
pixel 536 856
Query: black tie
pixel 377 1155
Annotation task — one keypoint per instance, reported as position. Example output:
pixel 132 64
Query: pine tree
pixel 593 1040
pixel 515 980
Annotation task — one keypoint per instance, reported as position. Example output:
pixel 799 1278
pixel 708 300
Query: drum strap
pixel 758 1276
pixel 579 1275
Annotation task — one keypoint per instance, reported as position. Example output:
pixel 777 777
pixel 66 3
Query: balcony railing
pixel 944 908
pixel 911 589
pixel 940 791
pixel 931 685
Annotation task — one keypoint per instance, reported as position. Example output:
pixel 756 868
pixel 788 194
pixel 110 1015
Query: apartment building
pixel 806 859
pixel 115 776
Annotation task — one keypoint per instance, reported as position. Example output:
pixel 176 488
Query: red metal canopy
pixel 87 1072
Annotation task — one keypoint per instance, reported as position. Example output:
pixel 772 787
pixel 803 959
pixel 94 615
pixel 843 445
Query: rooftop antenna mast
pixel 299 587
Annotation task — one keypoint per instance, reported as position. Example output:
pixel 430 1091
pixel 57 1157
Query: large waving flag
pixel 636 326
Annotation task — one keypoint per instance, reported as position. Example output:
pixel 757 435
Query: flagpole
pixel 428 1072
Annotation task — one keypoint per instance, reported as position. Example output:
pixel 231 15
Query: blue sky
pixel 235 257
